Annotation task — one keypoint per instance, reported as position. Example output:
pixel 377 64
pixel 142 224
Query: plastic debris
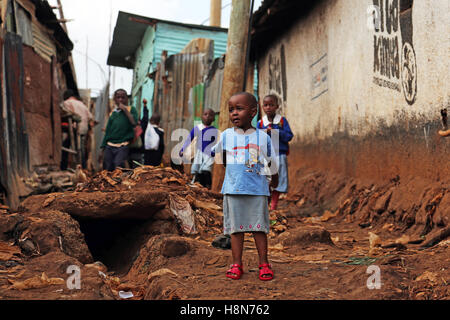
pixel 184 214
pixel 126 295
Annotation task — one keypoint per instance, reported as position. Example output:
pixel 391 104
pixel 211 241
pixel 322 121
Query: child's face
pixel 208 117
pixel 270 106
pixel 121 98
pixel 241 112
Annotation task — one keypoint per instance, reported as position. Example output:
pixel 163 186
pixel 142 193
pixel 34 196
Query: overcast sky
pixel 90 30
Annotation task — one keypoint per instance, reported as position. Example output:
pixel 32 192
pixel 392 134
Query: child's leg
pixel 261 246
pixel 265 270
pixel 274 201
pixel 205 179
pixel 237 246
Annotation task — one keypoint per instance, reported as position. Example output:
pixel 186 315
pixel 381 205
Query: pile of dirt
pixel 108 218
pixel 142 194
pixel 413 207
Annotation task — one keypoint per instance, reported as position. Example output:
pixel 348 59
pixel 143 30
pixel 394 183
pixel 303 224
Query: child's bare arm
pixel 224 159
pixel 128 114
pixel 274 181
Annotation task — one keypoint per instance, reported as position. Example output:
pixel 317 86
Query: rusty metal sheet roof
pixel 130 30
pixel 46 16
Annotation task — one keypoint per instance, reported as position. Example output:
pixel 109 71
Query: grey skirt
pixel 245 213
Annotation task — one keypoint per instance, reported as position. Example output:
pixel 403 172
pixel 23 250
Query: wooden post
pixel 234 77
pixel 72 136
pixel 64 26
pixel 216 13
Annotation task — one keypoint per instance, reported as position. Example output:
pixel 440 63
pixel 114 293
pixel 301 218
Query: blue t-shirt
pixel 250 160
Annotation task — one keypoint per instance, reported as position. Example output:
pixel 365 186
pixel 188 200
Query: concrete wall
pixel 355 104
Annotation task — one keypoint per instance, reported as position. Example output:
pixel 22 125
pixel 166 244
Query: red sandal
pixel 235 272
pixel 265 272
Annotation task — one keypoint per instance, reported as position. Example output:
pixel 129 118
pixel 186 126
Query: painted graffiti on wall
pixel 277 76
pixel 319 81
pixel 394 56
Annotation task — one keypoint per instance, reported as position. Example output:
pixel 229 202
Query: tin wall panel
pixel 174 38
pixel 42 43
pixel 3 128
pixel 14 76
pixel 184 72
pixel 15 158
pixel 24 25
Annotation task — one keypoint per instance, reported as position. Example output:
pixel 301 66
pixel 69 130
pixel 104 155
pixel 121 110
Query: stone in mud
pixel 305 235
pixel 174 247
pixel 8 224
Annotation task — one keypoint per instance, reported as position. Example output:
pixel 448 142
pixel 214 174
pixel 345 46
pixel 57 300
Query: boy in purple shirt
pixel 206 136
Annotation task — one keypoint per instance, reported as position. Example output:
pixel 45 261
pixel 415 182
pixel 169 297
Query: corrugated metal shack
pixel 139 43
pixel 180 90
pixel 178 68
pixel 35 72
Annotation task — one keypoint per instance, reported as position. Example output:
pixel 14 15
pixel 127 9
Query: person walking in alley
pixel 270 122
pixel 119 132
pixel 247 155
pixel 73 104
pixel 202 138
pixel 153 141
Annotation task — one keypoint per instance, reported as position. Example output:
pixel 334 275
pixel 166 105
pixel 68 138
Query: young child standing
pixel 273 121
pixel 247 153
pixel 206 136
pixel 119 132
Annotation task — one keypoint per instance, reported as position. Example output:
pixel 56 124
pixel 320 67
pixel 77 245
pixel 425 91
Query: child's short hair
pixel 274 97
pixel 120 90
pixel 250 98
pixel 155 118
pixel 209 110
pixel 68 93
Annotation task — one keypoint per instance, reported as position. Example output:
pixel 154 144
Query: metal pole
pixel 87 62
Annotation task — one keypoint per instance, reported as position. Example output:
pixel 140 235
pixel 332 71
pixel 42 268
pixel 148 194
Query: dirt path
pixel 55 239
pixel 308 271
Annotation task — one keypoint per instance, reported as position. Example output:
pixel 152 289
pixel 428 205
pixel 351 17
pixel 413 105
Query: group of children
pixel 255 161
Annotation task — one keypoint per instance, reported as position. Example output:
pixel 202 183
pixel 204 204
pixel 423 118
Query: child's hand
pixel 274 181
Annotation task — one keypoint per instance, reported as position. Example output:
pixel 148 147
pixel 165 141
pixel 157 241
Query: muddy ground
pixel 126 235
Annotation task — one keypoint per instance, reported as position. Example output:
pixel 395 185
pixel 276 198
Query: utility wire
pixel 92 60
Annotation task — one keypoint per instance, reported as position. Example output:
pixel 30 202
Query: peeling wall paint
pixel 379 86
